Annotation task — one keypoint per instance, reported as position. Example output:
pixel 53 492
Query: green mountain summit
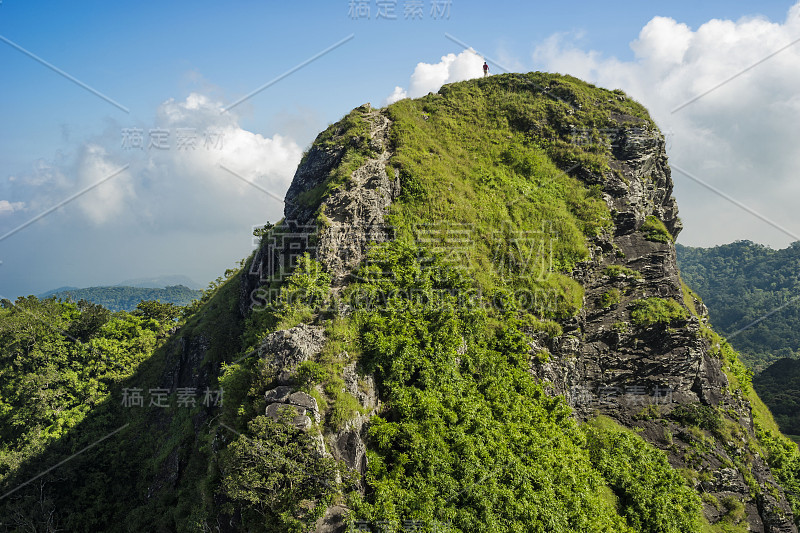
pixel 469 319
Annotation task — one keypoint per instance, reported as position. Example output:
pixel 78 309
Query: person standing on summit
pixel 485 69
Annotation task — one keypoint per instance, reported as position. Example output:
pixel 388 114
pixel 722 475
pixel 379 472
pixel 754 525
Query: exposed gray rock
pixel 300 419
pixel 362 387
pixel 284 350
pixel 725 480
pixel 334 520
pixel 356 211
pixel 278 394
pixel 353 215
pixel 322 450
pixel 301 399
pixel 304 405
pixel 604 364
pixel 348 445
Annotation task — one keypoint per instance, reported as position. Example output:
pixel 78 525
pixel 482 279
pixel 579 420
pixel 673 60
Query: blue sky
pixel 177 64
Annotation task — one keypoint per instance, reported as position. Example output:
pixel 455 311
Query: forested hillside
pixel 124 298
pixel 779 386
pixel 753 296
pixel 59 362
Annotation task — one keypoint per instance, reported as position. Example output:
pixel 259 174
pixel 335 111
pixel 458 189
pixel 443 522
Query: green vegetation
pixel 702 416
pixel 127 298
pixel 58 360
pixel 276 477
pixel 465 435
pixel 70 372
pixel 778 386
pixel 62 366
pixel 653 497
pixel 492 153
pixel 654 230
pixel 616 272
pixel 654 311
pixel 460 404
pixel 350 138
pixel 783 455
pixel 689 299
pixel 751 293
pixel 611 297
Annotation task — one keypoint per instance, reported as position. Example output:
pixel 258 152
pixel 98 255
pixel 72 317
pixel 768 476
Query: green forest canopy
pixel 123 298
pixel 744 282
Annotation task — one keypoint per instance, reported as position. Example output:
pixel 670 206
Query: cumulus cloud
pixel 398 94
pixel 173 208
pixel 174 177
pixel 6 207
pixel 191 174
pixel 110 188
pixel 739 137
pixel 429 77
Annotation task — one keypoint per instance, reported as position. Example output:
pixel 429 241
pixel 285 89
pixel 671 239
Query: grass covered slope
pixel 488 228
pixel 484 163
pixel 469 439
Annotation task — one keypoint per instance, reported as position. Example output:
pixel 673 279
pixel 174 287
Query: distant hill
pixel 161 282
pixel 58 290
pixel 125 298
pixel 753 296
pixel 779 386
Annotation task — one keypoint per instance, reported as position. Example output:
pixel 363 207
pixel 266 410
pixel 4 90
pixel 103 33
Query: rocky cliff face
pixel 647 375
pixel 639 375
pixel 339 229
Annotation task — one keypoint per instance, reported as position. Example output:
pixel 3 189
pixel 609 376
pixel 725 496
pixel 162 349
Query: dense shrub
pixel 695 414
pixel 275 476
pixel 654 230
pixel 653 497
pixel 657 311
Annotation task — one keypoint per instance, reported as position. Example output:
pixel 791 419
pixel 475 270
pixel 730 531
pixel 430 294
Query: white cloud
pixel 106 199
pixel 181 186
pixel 398 94
pixel 6 207
pixel 429 77
pixel 740 137
pixel 171 211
